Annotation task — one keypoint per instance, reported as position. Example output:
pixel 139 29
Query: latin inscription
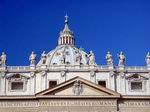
pixel 51 103
pixel 135 104
pixel 18 104
pixel 77 103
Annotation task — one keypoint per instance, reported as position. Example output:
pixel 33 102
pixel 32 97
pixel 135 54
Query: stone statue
pixel 63 58
pixel 91 57
pixel 32 58
pixel 122 59
pixel 109 58
pixel 3 59
pixel 43 57
pixel 78 58
pixel 77 88
pixel 147 59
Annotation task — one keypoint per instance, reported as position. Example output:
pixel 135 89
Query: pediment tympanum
pixel 78 87
pixel 137 76
pixel 16 76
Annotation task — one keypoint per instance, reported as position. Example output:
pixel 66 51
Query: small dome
pixel 66 54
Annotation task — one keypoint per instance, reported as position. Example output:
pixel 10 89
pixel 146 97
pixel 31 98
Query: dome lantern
pixel 66 36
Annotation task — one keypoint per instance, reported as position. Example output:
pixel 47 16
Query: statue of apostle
pixel 78 58
pixel 109 58
pixel 147 59
pixel 43 57
pixel 91 58
pixel 122 59
pixel 32 58
pixel 3 59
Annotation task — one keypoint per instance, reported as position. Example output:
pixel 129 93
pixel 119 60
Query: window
pixel 102 83
pixel 17 86
pixel 17 83
pixel 17 76
pixel 52 84
pixel 136 85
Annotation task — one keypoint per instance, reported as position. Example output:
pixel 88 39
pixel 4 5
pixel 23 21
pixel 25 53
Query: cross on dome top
pixel 66 18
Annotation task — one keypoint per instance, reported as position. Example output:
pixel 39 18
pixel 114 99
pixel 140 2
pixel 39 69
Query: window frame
pixel 52 80
pixel 137 90
pixel 17 89
pixel 21 79
pixel 102 80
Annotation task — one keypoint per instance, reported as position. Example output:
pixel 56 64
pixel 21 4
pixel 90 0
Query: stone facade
pixel 67 79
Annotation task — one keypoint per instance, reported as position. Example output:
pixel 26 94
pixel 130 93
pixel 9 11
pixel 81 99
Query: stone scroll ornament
pixel 77 88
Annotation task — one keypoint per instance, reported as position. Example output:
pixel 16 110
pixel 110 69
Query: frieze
pixel 135 104
pixel 6 104
pixel 78 103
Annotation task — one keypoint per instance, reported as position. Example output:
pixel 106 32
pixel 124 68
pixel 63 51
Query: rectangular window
pixel 52 84
pixel 17 86
pixel 102 83
pixel 136 85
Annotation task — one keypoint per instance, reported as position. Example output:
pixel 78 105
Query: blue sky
pixel 98 25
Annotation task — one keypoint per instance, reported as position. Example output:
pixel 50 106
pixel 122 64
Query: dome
pixel 66 54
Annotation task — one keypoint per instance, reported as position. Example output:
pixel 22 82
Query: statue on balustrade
pixel 122 59
pixel 109 58
pixel 147 59
pixel 32 58
pixel 3 59
pixel 78 58
pixel 91 57
pixel 43 58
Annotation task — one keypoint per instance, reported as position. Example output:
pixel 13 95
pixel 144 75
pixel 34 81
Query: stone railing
pixel 18 68
pixel 136 68
pixel 72 67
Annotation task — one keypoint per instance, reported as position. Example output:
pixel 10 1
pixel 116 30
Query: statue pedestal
pixel 32 67
pixel 3 67
pixel 148 67
pixel 92 66
pixel 110 67
pixel 77 66
pixel 63 66
pixel 121 67
pixel 43 66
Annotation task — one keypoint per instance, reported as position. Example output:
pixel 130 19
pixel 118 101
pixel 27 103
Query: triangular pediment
pixel 137 76
pixel 17 75
pixel 78 87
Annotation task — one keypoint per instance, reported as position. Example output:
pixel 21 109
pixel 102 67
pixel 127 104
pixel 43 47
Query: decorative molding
pixel 122 74
pixel 32 74
pixel 63 73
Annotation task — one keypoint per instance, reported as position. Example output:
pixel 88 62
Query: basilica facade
pixel 67 79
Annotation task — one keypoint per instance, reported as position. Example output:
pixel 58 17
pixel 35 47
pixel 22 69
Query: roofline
pixel 35 97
